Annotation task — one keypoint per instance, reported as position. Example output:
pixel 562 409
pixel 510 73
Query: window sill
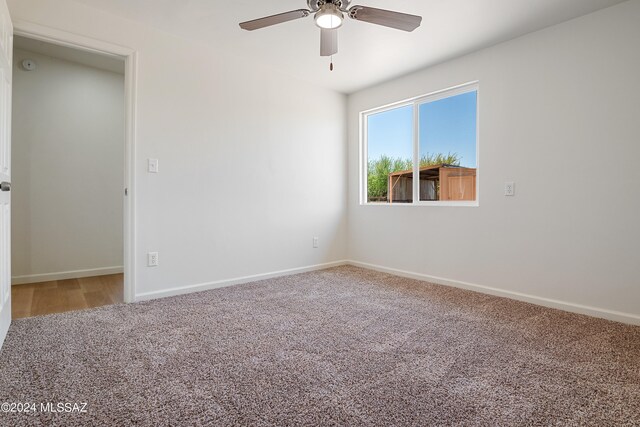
pixel 474 204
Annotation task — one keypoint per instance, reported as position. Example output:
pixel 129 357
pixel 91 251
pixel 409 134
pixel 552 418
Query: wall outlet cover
pixel 509 188
pixel 152 259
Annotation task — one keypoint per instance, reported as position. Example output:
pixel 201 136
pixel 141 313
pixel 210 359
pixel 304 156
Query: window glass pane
pixel 390 156
pixel 448 158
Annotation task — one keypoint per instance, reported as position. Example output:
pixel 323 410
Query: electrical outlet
pixel 152 259
pixel 509 189
pixel 153 166
pixel 316 242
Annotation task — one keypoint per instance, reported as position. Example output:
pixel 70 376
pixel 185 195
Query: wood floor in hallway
pixel 58 296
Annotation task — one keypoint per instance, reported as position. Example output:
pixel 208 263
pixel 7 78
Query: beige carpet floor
pixel 343 346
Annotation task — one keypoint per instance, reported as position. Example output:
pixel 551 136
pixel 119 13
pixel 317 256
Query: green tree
pixel 378 170
pixel 440 159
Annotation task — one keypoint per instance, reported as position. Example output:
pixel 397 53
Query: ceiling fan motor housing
pixel 315 5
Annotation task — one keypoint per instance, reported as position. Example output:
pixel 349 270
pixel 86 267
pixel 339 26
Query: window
pixel 433 137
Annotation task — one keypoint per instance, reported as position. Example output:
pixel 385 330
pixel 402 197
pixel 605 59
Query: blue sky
pixel 446 126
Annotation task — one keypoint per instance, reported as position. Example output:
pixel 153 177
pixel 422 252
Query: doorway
pixel 71 177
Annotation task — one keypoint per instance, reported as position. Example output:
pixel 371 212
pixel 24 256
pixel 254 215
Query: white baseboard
pixel 63 275
pixel 231 282
pixel 545 302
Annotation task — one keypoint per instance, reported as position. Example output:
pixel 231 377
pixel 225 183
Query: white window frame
pixel 416 102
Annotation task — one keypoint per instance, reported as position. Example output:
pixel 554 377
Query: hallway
pixel 58 296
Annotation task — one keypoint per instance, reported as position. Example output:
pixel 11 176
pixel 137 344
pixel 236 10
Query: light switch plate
pixel 153 166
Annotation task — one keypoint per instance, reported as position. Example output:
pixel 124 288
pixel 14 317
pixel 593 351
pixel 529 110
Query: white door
pixel 6 56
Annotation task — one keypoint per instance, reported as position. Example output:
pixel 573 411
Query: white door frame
pixel 62 38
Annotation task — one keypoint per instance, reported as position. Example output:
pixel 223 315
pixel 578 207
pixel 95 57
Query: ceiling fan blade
pixel 388 18
pixel 268 21
pixel 328 42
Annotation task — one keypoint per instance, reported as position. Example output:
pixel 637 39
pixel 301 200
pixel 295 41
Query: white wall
pixel 68 169
pixel 559 115
pixel 247 176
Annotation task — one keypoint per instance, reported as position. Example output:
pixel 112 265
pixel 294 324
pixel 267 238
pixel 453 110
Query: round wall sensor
pixel 29 64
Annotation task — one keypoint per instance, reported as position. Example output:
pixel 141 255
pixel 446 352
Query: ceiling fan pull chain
pixel 331 65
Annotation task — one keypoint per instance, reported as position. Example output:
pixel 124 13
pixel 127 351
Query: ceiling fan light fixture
pixel 329 17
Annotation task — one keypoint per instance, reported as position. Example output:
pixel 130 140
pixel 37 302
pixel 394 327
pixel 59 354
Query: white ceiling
pixel 90 59
pixel 368 53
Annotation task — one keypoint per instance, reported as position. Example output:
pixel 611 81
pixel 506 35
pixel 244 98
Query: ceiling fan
pixel 329 16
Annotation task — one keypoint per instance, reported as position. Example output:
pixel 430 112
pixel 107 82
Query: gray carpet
pixel 343 346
